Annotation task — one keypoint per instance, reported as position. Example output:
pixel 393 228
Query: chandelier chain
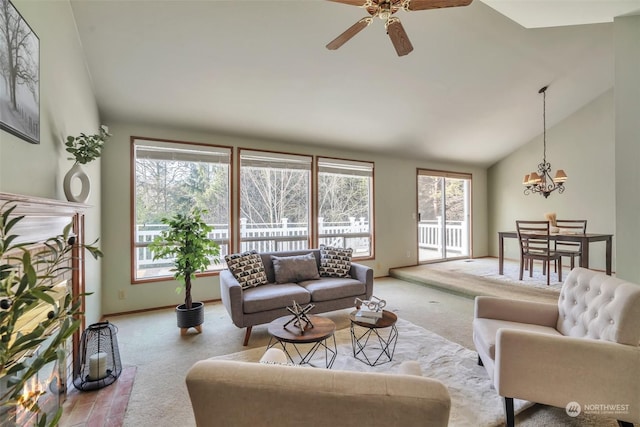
pixel 544 126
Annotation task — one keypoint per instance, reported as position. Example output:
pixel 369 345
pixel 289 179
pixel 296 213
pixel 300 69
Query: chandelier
pixel 541 181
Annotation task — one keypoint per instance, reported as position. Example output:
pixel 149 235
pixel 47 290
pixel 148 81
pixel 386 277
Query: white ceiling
pixel 467 93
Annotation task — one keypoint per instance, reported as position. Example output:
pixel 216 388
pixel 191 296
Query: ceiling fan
pixel 384 9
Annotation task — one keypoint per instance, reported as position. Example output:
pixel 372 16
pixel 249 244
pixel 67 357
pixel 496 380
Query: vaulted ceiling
pixel 468 93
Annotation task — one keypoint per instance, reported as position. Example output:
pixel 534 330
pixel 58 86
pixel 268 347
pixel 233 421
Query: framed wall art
pixel 20 72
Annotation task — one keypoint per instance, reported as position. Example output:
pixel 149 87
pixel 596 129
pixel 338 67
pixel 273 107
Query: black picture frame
pixel 20 81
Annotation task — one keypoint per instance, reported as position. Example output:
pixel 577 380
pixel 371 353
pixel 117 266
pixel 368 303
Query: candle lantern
pixel 98 364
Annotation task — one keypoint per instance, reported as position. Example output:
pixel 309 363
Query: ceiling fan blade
pixel 347 35
pixel 434 4
pixel 399 37
pixel 358 3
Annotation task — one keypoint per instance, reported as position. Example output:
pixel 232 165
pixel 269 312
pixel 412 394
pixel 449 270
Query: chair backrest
pixel 570 226
pixel 533 237
pixel 594 305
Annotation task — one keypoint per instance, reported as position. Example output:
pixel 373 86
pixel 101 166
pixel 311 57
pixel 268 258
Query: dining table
pixel 584 238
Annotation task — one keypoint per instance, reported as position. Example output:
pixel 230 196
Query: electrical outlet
pixel 122 294
pixel 408 254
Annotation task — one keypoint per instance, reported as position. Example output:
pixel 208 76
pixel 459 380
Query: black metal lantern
pixel 99 362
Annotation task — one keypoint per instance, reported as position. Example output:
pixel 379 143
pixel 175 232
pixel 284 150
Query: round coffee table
pixel 374 343
pixel 319 336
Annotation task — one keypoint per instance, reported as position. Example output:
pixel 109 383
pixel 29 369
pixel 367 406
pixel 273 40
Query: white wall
pixel 395 204
pixel 627 175
pixel 582 145
pixel 67 107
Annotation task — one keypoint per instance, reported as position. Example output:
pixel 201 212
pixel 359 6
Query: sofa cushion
pixel 486 330
pixel 272 297
pixel 332 288
pixel 295 268
pixel 335 262
pixel 247 268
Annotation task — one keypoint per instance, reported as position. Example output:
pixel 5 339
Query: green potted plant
pixel 84 149
pixel 25 283
pixel 186 240
pixel 87 148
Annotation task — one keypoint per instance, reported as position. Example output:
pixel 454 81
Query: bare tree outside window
pixel 19 67
pixel 345 207
pixel 275 192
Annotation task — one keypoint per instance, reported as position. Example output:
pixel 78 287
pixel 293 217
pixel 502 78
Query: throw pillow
pixel 247 268
pixel 295 268
pixel 335 262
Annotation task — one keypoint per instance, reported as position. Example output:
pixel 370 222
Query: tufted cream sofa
pixel 585 349
pixel 241 394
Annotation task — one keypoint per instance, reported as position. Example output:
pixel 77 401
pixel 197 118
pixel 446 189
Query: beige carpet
pixel 480 277
pixel 152 342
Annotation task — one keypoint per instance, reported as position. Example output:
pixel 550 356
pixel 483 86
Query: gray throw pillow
pixel 295 268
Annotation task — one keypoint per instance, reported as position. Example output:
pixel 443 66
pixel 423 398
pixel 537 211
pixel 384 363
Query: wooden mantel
pixel 45 218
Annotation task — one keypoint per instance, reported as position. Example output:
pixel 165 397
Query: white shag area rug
pixel 474 402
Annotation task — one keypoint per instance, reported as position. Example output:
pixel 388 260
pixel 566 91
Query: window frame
pixel 285 157
pixel 345 163
pixel 134 245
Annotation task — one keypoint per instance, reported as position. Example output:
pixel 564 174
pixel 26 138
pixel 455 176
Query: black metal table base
pixel 360 342
pixel 305 358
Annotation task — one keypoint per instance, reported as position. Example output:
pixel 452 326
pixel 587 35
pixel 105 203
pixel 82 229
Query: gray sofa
pixel 264 303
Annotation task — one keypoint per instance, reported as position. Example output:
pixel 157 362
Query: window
pixel 172 177
pixel 345 205
pixel 275 191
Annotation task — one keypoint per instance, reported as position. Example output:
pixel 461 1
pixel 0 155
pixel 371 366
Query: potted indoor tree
pixel 186 240
pixel 84 149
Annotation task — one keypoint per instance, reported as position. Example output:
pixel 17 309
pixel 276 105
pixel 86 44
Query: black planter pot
pixel 192 318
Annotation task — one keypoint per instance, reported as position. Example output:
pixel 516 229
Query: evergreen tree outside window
pixel 172 177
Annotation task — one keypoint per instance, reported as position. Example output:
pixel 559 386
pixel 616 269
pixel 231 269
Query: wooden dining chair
pixel 572 250
pixel 535 245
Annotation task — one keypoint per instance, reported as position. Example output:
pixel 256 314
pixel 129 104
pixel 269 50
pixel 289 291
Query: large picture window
pixel 275 192
pixel 345 205
pixel 172 177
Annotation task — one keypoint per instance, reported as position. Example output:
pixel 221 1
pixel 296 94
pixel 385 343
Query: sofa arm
pixel 516 311
pixel 556 370
pixel 231 295
pixel 363 274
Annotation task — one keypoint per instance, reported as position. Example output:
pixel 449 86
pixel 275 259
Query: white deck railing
pixel 456 232
pixel 285 236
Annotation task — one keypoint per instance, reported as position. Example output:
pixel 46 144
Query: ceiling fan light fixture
pixel 384 9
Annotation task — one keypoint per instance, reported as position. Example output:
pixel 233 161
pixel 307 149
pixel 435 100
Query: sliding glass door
pixel 444 215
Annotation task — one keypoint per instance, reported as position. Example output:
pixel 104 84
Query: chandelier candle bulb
pixel 97 366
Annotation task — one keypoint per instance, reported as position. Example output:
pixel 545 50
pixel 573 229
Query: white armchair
pixel 585 349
